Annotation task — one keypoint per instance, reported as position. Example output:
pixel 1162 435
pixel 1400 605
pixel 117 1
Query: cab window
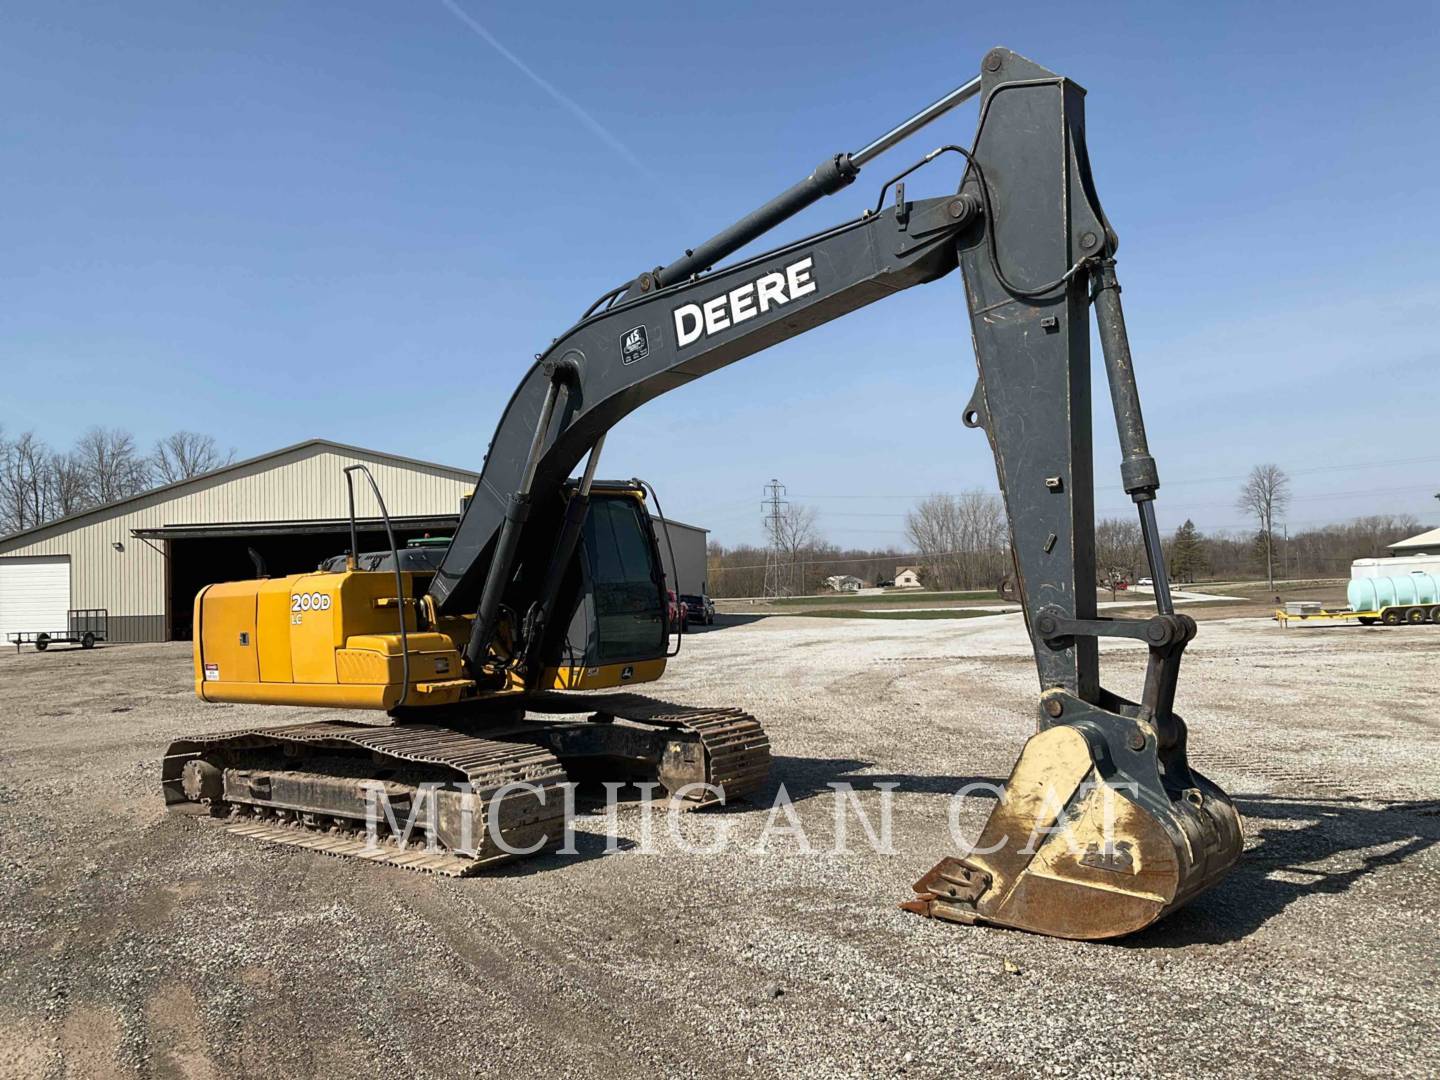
pixel 629 621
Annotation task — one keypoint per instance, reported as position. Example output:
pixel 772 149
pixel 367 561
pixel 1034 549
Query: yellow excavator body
pixel 331 640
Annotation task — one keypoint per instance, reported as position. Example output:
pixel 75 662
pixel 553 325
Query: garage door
pixel 34 593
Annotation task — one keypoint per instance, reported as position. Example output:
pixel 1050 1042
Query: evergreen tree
pixel 1187 553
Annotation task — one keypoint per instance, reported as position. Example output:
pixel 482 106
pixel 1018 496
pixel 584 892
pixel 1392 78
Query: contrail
pixel 599 130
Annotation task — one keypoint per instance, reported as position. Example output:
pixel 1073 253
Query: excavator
pixel 501 667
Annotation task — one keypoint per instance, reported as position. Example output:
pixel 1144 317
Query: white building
pixel 908 577
pixel 1427 543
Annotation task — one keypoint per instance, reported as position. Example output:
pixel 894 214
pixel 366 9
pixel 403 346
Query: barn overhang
pixel 237 530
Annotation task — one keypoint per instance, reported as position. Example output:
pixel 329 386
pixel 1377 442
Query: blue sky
pixel 360 221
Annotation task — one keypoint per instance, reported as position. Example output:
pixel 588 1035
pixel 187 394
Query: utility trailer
pixel 1371 597
pixel 83 627
pixel 1391 615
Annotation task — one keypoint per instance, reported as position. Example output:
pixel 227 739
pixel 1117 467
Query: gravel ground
pixel 140 943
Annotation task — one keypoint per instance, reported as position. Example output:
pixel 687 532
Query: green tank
pixel 1398 590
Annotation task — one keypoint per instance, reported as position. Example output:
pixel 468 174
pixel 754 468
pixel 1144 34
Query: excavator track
pixel 737 750
pixel 467 786
pixel 318 761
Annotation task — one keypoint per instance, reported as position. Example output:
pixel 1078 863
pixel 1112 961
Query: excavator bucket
pixel 1094 837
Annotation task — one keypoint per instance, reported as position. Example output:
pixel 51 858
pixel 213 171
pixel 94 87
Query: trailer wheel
pixel 88 641
pixel 1391 617
pixel 1416 615
pixel 1435 614
pixel 1367 621
pixel 42 642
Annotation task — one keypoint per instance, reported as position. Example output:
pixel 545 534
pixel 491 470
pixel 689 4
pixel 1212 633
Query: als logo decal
pixel 635 345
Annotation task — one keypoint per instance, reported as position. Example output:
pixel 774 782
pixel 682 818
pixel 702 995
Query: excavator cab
pixel 617 632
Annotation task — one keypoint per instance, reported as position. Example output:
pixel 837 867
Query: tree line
pixel 39 484
pixel 956 542
pixel 740 570
pixel 961 541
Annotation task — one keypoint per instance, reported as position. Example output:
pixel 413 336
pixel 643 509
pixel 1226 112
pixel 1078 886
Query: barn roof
pixel 1426 541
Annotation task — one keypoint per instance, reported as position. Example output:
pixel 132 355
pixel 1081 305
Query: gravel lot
pixel 137 943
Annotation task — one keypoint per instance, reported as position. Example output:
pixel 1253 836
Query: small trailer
pixel 83 627
pixel 1391 615
pixel 1371 597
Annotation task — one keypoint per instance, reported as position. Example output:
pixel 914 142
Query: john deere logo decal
pixel 635 345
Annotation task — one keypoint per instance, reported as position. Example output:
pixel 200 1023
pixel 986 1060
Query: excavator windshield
pixel 620 617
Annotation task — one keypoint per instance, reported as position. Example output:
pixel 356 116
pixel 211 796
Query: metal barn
pixel 144 558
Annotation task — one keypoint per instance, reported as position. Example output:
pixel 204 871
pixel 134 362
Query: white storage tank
pixel 1400 564
pixel 1395 590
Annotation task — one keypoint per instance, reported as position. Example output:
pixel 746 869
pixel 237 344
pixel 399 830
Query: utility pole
pixel 776 572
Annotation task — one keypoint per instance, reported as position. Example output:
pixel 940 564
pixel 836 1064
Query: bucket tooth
pixel 1092 838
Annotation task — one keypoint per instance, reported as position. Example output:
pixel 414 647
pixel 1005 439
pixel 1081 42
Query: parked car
pixel 699 608
pixel 677 613
pixel 888 583
pixel 1146 581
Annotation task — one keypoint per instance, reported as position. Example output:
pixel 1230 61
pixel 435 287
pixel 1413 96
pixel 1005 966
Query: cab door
pixel 620 614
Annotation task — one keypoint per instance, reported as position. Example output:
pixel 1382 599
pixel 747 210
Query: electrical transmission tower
pixel 777 570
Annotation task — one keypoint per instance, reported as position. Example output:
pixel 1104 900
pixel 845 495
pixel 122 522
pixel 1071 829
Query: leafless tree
pixel 794 529
pixel 24 482
pixel 736 571
pixel 113 467
pixel 69 485
pixel 39 485
pixel 1266 493
pixel 1119 551
pixel 961 538
pixel 185 454
pixel 793 533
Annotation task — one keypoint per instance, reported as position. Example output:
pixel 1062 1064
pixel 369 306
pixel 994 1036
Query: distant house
pixel 907 577
pixel 1427 543
pixel 845 583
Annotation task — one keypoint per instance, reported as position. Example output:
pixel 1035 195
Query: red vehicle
pixel 679 614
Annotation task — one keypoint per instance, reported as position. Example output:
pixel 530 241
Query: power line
pixel 1213 530
pixel 774 507
pixel 1313 470
pixel 1127 509
pixel 854 559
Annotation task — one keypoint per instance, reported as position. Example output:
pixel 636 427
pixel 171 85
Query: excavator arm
pixel 1104 826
